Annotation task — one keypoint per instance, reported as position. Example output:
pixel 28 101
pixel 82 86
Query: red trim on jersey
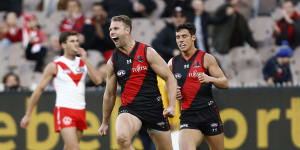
pixel 130 51
pixel 81 63
pixel 56 67
pixel 75 77
pixel 192 84
pixel 136 78
pixel 190 57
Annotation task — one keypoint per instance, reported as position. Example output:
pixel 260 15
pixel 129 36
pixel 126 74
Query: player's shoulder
pixel 50 68
pixel 209 57
pixel 60 58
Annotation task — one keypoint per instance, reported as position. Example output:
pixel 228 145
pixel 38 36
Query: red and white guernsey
pixel 69 83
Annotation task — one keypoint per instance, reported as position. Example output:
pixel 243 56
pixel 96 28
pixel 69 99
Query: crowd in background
pixel 219 31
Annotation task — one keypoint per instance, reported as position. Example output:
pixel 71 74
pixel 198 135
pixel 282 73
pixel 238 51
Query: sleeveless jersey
pixel 69 83
pixel 196 95
pixel 138 81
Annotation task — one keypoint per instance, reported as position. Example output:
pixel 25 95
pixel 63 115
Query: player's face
pixel 72 45
pixel 118 32
pixel 185 40
pixel 289 8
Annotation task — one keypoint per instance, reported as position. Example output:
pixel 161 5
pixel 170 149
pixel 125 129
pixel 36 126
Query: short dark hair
pixel 10 74
pixel 123 18
pixel 64 36
pixel 189 26
pixel 98 4
pixel 76 1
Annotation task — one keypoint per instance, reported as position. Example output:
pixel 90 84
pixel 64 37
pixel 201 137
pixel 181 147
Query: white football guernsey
pixel 69 82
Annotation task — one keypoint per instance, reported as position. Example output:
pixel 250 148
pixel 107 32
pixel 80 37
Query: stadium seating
pixel 247 66
pixel 261 28
pixel 295 66
pixel 145 30
pixel 212 5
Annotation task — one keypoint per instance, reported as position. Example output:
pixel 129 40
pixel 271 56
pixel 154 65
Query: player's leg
pixel 79 134
pixel 161 139
pixel 189 139
pixel 70 138
pixel 65 147
pixel 127 126
pixel 215 142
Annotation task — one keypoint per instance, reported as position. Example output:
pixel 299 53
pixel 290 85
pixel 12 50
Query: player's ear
pixel 63 45
pixel 127 29
pixel 194 37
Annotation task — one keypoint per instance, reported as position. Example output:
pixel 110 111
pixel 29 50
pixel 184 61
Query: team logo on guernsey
pixel 121 73
pixel 80 69
pixel 139 68
pixel 140 59
pixel 67 71
pixel 67 120
pixel 196 65
pixel 178 75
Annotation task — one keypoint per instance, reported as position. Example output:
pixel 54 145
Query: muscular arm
pixel 47 76
pixel 109 97
pixel 217 76
pixel 170 64
pixel 161 68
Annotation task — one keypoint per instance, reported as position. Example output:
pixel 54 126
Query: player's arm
pixel 178 91
pixel 161 68
pixel 109 97
pixel 217 76
pixel 92 72
pixel 47 76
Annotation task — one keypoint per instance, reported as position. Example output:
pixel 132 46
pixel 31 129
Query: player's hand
pixel 204 78
pixel 103 129
pixel 24 122
pixel 82 53
pixel 169 112
pixel 178 93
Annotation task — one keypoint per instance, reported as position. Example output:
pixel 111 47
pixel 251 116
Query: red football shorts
pixel 67 117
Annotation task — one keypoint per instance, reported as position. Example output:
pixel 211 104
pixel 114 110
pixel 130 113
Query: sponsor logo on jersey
pixel 178 75
pixel 196 65
pixel 139 68
pixel 194 74
pixel 121 73
pixel 67 120
pixel 140 59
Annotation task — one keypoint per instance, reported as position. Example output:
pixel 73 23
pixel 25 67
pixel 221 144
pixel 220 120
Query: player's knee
pixel 73 146
pixel 123 140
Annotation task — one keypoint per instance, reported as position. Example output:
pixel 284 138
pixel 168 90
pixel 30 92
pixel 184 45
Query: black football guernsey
pixel 139 89
pixel 196 95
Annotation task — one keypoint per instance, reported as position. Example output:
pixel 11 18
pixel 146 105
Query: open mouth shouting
pixel 182 45
pixel 115 38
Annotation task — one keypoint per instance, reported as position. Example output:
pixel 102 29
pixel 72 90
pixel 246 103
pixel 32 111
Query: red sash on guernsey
pixel 75 77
